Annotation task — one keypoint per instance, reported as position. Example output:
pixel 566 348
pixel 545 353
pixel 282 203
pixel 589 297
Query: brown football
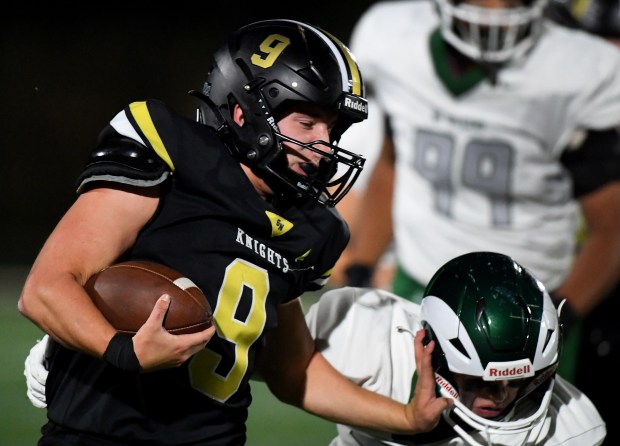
pixel 126 293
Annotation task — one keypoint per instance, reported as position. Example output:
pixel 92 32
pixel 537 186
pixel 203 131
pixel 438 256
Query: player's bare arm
pixel 597 265
pixel 372 236
pixel 291 347
pixel 53 296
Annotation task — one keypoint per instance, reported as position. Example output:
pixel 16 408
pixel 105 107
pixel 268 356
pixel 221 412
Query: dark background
pixel 66 70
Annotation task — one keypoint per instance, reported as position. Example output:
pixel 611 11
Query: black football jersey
pixel 245 254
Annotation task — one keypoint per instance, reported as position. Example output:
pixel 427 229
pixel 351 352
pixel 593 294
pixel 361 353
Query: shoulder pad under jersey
pixel 123 160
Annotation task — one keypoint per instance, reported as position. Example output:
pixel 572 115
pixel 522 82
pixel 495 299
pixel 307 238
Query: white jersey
pixel 365 140
pixel 368 336
pixel 481 171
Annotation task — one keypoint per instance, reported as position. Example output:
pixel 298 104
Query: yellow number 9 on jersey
pixel 272 46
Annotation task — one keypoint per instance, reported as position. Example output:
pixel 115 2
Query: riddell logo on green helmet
pixel 496 371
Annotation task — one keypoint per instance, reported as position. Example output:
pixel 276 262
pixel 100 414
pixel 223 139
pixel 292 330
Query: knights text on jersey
pixel 382 360
pixel 481 170
pixel 245 254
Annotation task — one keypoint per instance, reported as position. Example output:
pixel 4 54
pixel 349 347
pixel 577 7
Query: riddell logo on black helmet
pixel 355 105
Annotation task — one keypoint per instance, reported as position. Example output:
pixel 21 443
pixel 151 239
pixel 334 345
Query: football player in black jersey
pixel 241 202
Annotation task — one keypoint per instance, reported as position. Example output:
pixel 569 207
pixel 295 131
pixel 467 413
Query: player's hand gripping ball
pixel 126 293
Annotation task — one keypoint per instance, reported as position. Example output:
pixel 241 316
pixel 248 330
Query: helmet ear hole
pixel 428 335
pixel 439 358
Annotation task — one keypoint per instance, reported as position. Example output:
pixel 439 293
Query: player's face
pixel 488 399
pixel 306 123
pixel 302 122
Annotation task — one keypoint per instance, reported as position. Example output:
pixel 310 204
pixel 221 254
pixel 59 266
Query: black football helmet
pixel 266 66
pixel 490 318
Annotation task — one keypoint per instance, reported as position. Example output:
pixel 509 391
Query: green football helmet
pixel 491 318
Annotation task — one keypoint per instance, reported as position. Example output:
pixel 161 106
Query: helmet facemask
pixel 492 320
pixel 489 35
pixel 326 184
pixel 266 67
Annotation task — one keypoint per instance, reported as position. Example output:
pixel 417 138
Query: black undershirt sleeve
pixel 595 162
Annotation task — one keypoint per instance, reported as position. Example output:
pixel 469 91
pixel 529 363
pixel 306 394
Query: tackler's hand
pixel 424 410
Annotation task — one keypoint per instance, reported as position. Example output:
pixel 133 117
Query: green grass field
pixel 270 423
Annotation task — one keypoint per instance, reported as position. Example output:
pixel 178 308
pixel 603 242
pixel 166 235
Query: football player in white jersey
pixel 482 99
pixel 600 333
pixel 497 342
